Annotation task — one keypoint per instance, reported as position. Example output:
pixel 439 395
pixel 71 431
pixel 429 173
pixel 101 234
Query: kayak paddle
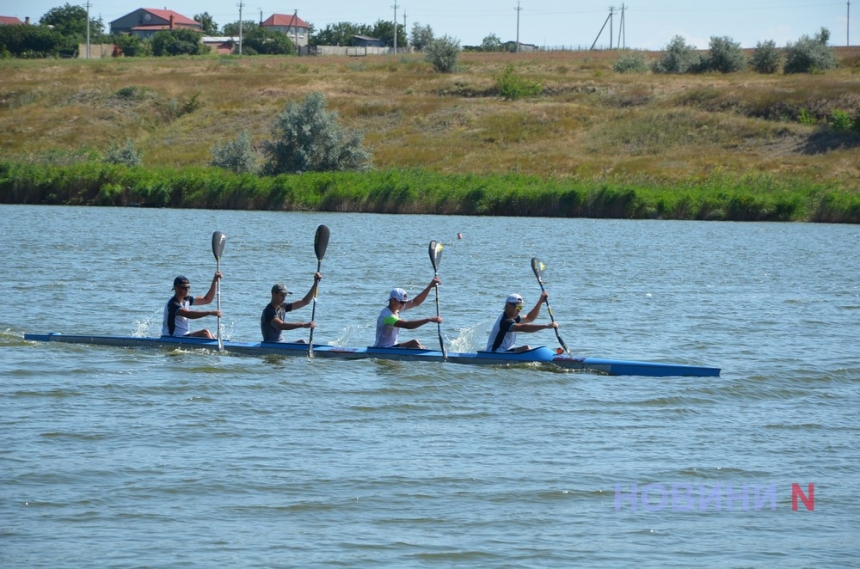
pixel 538 268
pixel 436 258
pixel 218 242
pixel 320 245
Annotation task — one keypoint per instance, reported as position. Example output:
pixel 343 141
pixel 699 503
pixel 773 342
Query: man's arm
pixel 309 296
pixel 423 294
pixel 412 324
pixel 533 327
pixel 534 312
pixel 210 294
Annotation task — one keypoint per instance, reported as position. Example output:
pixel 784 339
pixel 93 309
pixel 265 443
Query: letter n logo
pixel 809 501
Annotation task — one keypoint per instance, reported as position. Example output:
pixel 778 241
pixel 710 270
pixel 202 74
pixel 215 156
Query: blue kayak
pixel 539 355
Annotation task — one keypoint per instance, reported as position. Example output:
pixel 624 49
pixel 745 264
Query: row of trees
pixel 724 55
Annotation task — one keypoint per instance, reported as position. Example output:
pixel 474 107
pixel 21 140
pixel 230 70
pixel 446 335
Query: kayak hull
pixel 539 355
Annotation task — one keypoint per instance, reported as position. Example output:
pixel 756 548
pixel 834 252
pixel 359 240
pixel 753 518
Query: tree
pixel 725 56
pixel 308 138
pixel 765 57
pixel 810 54
pixel 384 30
pixel 421 36
pixel 233 29
pixel 678 57
pixel 178 41
pixel 443 53
pixel 267 42
pixel 71 21
pixel 210 28
pixel 132 46
pixel 491 43
pixel 633 62
pixel 237 156
pixel 32 41
pixel 341 33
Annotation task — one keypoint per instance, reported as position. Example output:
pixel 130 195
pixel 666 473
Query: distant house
pixel 222 45
pixel 146 22
pixel 10 21
pixel 511 46
pixel 365 41
pixel 294 27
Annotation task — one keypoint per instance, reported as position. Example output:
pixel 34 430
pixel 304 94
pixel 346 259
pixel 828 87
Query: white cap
pixel 514 299
pixel 398 294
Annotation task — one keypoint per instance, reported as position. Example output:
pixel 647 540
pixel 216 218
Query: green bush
pixel 123 154
pixel 725 56
pixel 765 57
pixel 631 63
pixel 443 53
pixel 841 120
pixel 805 117
pixel 180 41
pixel 308 138
pixel 809 55
pixel 512 86
pixel 237 156
pixel 678 57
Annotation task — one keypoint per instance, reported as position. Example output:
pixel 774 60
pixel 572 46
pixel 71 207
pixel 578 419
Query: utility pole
pixel 518 9
pixel 395 27
pixel 622 29
pixel 88 30
pixel 601 31
pixel 611 24
pixel 848 26
pixel 405 31
pixel 241 5
pixel 296 30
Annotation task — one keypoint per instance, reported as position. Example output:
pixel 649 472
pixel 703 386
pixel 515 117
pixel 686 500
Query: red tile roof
pixel 285 20
pixel 10 21
pixel 177 17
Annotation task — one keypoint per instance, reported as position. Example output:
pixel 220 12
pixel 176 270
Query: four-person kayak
pixel 539 355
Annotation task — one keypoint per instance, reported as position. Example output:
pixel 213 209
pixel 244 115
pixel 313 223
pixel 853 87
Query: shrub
pixel 805 117
pixel 765 57
pixel 725 56
pixel 511 86
pixel 179 41
pixel 840 120
pixel 308 138
pixel 809 55
pixel 237 155
pixel 443 54
pixel 678 57
pixel 126 155
pixel 631 63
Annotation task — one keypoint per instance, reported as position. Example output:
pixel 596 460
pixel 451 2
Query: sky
pixel 646 24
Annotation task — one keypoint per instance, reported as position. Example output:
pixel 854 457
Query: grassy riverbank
pixel 594 142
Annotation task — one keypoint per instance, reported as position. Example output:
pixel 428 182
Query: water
pixel 130 458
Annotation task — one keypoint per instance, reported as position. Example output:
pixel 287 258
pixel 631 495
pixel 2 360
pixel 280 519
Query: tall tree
pixel 71 21
pixel 421 36
pixel 210 28
pixel 384 30
pixel 341 33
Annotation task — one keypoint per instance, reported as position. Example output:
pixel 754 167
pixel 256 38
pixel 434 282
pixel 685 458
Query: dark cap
pixel 280 287
pixel 179 281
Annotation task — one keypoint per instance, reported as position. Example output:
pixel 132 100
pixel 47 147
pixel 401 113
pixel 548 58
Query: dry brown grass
pixel 589 122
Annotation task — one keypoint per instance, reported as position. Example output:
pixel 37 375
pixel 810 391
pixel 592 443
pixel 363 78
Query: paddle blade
pixel 218 241
pixel 321 241
pixel 538 267
pixel 435 254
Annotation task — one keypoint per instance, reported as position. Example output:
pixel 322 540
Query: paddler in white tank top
pixel 389 323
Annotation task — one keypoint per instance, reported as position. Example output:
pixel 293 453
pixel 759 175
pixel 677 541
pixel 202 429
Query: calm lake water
pixel 134 458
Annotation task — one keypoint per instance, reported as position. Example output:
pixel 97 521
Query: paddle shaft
pixel 439 324
pixel 218 302
pixel 551 318
pixel 320 246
